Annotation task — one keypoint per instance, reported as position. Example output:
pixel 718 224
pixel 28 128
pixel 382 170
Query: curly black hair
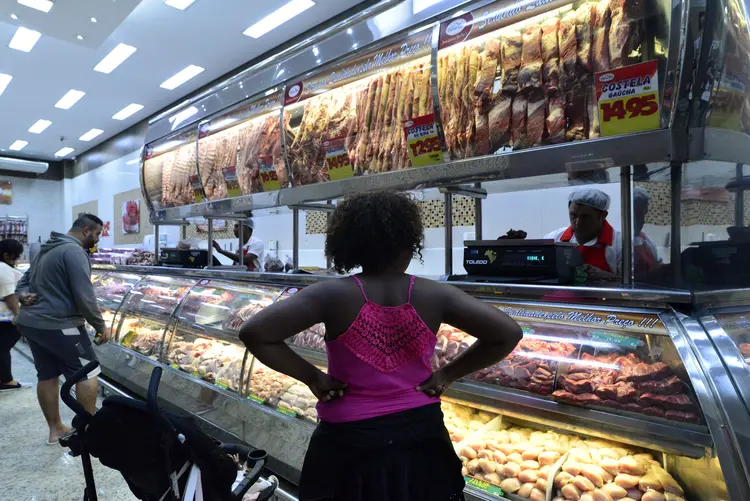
pixel 12 247
pixel 373 231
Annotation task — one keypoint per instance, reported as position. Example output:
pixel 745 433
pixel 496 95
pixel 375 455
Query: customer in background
pixel 10 251
pixel 57 300
pixel 252 248
pixel 381 435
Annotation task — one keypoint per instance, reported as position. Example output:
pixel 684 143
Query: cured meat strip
pixel 518 122
pixel 512 45
pixel 211 176
pixel 585 25
pixel 530 75
pixel 555 119
pixel 459 83
pixel 481 119
pixel 600 42
pixel 625 30
pixel 468 102
pixel 576 114
pixel 592 110
pixel 425 95
pixel 566 38
pixel 447 104
pixel 535 119
pixel 364 130
pixel 499 120
pixel 391 122
pixel 486 77
pixel 550 55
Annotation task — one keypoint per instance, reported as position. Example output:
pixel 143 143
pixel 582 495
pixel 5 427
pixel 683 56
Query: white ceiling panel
pixel 209 34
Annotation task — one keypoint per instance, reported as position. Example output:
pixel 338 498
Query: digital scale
pixel 185 258
pixel 523 259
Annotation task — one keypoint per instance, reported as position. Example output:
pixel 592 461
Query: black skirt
pixel 406 456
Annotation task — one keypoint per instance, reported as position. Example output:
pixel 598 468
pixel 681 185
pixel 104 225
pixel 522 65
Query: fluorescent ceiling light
pixel 181 77
pixel 43 5
pixel 39 126
pixel 18 145
pixel 69 99
pixel 179 4
pixel 24 39
pixel 127 111
pixel 115 58
pixel 64 151
pixel 14 17
pixel 420 5
pixel 181 116
pixel 316 52
pixel 4 81
pixel 132 162
pixel 278 17
pixel 90 134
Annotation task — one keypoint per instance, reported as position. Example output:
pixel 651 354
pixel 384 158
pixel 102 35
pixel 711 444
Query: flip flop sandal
pixel 9 387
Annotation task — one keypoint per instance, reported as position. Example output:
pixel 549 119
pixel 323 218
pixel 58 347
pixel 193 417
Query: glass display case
pixel 147 311
pixel 111 289
pixel 169 174
pixel 204 342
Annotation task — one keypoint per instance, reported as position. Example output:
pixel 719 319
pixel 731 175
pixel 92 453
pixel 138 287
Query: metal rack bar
pixel 295 238
pixel 626 230
pixel 448 222
pixel 478 232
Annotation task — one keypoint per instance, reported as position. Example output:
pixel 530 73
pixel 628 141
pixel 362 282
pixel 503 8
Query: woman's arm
pixel 13 305
pixel 497 334
pixel 264 335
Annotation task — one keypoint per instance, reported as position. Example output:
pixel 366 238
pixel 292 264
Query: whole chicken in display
pixel 211 360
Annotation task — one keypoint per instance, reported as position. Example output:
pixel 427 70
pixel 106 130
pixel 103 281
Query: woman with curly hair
pixel 381 435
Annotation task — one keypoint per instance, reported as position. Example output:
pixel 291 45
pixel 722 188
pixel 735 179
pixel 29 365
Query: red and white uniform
pixel 603 252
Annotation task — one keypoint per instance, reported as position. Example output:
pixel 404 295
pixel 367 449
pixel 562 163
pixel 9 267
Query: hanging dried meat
pixel 530 75
pixel 518 122
pixel 585 24
pixel 575 111
pixel 568 46
pixel 625 31
pixel 555 120
pixel 486 77
pixel 535 110
pixel 212 175
pixel 550 55
pixel 512 45
pixel 499 120
pixel 600 42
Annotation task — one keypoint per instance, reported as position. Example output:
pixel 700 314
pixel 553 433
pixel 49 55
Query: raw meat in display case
pixel 461 421
pixel 143 336
pixel 313 338
pixel 217 362
pixel 299 399
pixel 157 296
pixel 110 289
pixel 267 385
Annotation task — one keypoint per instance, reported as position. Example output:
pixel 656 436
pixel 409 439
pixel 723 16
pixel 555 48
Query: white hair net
pixel 591 197
pixel 641 196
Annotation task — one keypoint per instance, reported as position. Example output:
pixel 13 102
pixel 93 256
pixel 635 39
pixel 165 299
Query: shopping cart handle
pixel 258 457
pixel 77 377
pixel 152 402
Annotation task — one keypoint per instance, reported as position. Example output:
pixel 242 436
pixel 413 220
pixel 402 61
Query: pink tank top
pixel 381 357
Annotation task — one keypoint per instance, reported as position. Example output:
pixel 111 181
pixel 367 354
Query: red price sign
pixel 628 99
pixel 337 159
pixel 268 177
pixel 422 139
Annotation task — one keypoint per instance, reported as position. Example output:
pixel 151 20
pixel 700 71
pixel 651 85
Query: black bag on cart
pixel 161 456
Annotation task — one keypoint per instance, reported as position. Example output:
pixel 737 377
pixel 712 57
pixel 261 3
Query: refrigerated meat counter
pixel 605 397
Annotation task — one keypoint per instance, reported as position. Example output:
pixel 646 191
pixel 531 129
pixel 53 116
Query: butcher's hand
pixel 216 245
pixel 27 298
pixel 436 385
pixel 595 273
pixel 326 388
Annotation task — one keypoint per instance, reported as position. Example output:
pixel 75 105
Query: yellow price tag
pixel 337 159
pixel 230 178
pixel 628 99
pixel 423 142
pixel 268 177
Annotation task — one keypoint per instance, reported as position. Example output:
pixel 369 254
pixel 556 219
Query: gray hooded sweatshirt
pixel 61 276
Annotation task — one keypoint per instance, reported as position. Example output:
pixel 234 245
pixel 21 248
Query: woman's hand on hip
pixel 326 388
pixel 436 385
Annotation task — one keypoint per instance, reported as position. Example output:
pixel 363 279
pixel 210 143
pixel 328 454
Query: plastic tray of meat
pixel 313 338
pixel 210 360
pixel 529 367
pixel 612 379
pixel 267 385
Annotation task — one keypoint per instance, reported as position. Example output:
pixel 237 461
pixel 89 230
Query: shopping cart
pixel 161 456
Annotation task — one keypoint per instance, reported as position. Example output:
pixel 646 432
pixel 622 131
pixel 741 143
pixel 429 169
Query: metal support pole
pixel 329 216
pixel 210 242
pixel 739 199
pixel 478 215
pixel 626 201
pixel 675 257
pixel 156 244
pixel 448 234
pixel 295 238
pixel 241 236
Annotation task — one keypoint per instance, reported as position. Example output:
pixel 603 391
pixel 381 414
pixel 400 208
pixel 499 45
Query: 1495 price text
pixel 636 106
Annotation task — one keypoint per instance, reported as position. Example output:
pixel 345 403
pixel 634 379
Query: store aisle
pixel 32 471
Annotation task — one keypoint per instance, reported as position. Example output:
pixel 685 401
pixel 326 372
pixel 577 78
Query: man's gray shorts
pixel 59 352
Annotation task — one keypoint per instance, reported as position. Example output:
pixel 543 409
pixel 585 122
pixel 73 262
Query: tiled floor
pixel 33 471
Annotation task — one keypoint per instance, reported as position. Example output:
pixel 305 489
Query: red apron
pixel 644 257
pixel 595 255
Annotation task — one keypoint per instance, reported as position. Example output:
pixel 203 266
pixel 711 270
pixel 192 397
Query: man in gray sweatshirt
pixel 57 300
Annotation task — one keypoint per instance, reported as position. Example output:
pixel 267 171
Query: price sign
pixel 422 141
pixel 233 184
pixel 286 411
pixel 628 99
pixel 268 177
pixel 611 337
pixel 256 399
pixel 485 487
pixel 337 159
pixel 197 186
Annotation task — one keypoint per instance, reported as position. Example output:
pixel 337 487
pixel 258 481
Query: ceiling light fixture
pixel 64 151
pixel 316 52
pixel 18 145
pixel 79 37
pixel 115 58
pixel 42 5
pixel 4 81
pixel 348 31
pixel 278 17
pixel 90 135
pixel 127 111
pixel 24 39
pixel 179 4
pixel 40 126
pixel 93 19
pixel 180 78
pixel 69 99
pixel 14 17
